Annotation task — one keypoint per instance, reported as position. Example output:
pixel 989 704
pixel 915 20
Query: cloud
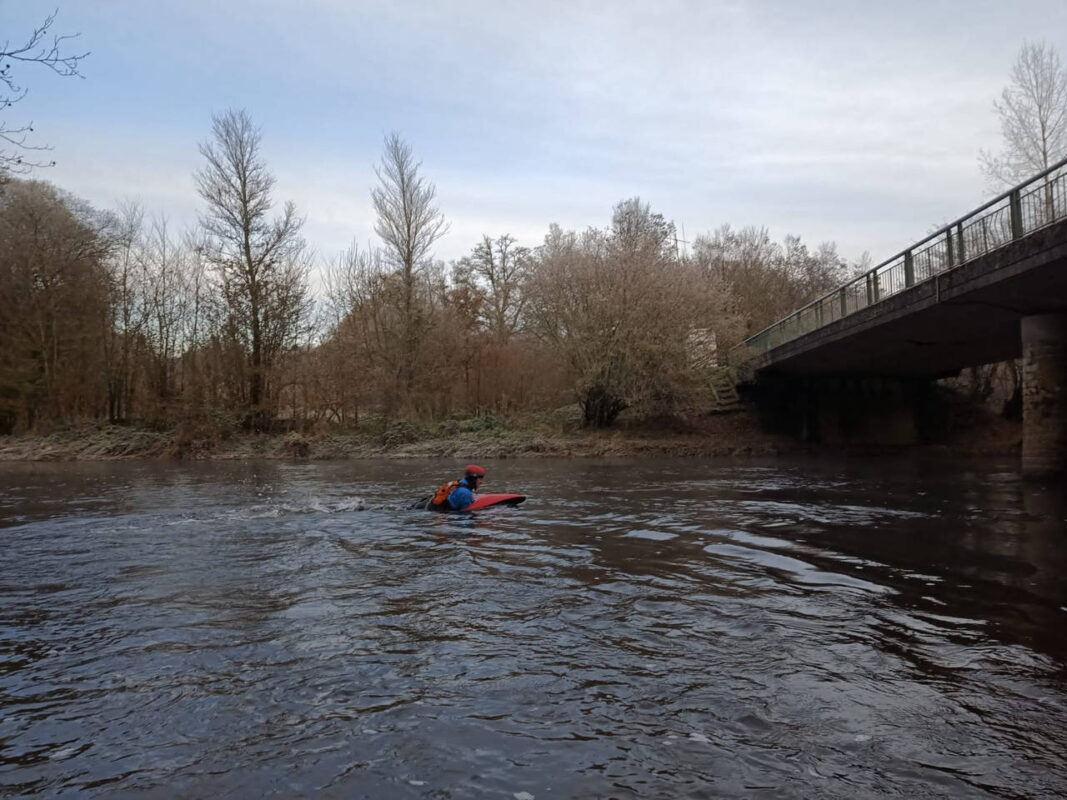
pixel 832 120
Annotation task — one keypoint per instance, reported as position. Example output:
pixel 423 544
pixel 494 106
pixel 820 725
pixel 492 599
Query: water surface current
pixel 639 628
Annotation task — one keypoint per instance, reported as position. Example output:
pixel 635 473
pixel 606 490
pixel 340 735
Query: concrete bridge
pixel 856 364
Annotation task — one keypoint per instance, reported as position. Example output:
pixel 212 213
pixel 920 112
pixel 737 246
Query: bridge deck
pixel 953 300
pixel 963 317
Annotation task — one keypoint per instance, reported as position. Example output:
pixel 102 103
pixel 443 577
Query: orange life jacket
pixel 442 493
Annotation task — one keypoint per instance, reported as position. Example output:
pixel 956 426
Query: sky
pixel 853 122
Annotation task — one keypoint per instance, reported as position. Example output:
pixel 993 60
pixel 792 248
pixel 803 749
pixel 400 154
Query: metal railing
pixel 1023 209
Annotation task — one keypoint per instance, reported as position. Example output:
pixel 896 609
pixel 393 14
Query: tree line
pixel 112 315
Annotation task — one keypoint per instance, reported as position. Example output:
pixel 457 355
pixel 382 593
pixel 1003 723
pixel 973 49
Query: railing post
pixel 962 248
pixel 844 302
pixel 948 249
pixel 909 269
pixel 873 289
pixel 1015 205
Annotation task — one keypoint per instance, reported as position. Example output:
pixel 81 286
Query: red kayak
pixel 486 500
pixel 480 501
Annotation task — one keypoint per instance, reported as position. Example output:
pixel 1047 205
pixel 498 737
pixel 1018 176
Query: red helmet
pixel 473 471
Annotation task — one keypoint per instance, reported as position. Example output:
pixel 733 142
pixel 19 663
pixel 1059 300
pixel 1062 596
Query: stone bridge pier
pixel 1044 341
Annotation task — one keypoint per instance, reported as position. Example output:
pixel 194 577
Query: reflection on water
pixel 671 628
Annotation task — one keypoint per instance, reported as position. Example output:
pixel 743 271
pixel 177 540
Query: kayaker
pixel 454 495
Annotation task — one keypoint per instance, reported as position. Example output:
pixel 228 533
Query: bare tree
pixel 639 234
pixel 195 289
pixel 125 271
pixel 1033 117
pixel 341 350
pixel 618 308
pixel 368 304
pixel 166 302
pixel 35 49
pixel 745 261
pixel 498 268
pixel 768 280
pixel 364 331
pixel 811 274
pixel 408 224
pixel 53 307
pixel 260 262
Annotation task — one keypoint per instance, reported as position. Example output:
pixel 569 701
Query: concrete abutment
pixel 1044 341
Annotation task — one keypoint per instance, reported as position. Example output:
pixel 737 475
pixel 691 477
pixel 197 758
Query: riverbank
pixel 554 434
pixel 547 434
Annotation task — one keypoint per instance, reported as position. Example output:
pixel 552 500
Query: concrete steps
pixel 723 385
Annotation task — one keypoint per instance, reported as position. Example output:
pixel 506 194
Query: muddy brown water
pixel 639 628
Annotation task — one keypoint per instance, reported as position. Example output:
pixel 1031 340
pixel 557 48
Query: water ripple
pixel 663 629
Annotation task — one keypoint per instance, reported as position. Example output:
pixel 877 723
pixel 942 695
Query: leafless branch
pixel 34 50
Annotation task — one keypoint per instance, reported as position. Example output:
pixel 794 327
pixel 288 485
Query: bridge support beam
pixel 1044 340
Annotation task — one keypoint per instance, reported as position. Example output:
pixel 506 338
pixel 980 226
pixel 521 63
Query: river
pixel 639 628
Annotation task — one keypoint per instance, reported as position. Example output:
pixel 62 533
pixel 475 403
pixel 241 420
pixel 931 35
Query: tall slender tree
pixel 408 224
pixel 126 311
pixel 260 261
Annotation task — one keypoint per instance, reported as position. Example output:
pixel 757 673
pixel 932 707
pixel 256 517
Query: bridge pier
pixel 1044 340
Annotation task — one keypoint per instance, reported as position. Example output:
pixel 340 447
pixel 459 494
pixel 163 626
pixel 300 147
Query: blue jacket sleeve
pixel 460 497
